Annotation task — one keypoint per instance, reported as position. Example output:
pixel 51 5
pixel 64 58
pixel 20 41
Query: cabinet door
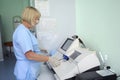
pixel 1 51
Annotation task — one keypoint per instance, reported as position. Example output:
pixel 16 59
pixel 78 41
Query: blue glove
pixel 52 52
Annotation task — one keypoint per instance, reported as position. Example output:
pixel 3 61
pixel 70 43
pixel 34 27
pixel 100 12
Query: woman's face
pixel 35 21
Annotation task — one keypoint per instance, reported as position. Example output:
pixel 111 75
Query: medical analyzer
pixel 78 60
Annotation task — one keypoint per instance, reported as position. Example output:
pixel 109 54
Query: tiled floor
pixel 7 68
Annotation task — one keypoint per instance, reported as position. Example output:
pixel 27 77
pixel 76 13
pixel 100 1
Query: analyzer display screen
pixel 67 44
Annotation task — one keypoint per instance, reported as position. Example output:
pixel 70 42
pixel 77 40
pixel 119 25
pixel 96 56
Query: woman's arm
pixel 36 57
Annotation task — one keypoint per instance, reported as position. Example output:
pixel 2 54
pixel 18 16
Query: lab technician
pixel 26 48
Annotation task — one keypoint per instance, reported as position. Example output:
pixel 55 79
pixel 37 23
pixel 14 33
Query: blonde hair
pixel 29 14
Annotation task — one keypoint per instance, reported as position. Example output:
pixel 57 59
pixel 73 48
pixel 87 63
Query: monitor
pixel 67 44
pixel 75 54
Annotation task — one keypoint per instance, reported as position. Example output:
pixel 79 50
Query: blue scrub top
pixel 23 41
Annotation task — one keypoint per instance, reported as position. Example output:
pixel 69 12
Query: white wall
pixel 63 14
